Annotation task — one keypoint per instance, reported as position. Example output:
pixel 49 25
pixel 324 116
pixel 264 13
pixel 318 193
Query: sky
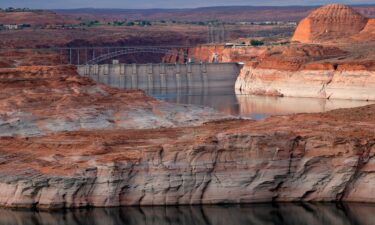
pixel 141 4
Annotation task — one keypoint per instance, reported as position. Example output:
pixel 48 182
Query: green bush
pixel 256 42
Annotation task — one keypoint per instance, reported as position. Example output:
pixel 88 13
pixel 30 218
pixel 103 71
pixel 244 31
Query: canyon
pixel 103 147
pixel 67 141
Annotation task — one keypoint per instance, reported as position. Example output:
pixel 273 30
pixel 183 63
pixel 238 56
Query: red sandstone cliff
pixel 207 53
pixel 38 100
pixel 66 141
pixel 307 157
pixel 309 71
pixel 329 70
pixel 332 22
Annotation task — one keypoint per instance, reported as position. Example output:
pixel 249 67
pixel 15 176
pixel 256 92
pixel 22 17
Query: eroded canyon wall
pixel 214 53
pixel 299 159
pixel 67 141
pixel 330 84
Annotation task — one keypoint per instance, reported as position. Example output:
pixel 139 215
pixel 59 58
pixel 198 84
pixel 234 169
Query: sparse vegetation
pixel 119 23
pixel 130 24
pixel 91 23
pixel 256 42
pixel 143 23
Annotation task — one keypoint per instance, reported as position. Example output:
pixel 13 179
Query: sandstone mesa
pixel 330 22
pixel 333 59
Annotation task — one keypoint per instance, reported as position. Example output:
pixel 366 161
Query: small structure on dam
pixel 164 76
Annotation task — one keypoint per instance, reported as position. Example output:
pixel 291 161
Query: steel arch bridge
pixel 97 55
pixel 133 50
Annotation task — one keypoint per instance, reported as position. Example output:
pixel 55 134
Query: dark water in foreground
pixel 256 107
pixel 258 214
pixel 224 100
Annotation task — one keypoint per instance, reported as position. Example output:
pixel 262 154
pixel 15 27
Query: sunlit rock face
pixel 330 22
pixel 329 84
pixel 38 100
pixel 305 157
pixel 68 142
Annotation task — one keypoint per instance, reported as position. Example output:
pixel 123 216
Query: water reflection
pixel 262 214
pixel 256 107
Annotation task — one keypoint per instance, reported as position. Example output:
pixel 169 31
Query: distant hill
pixel 224 13
pixel 34 18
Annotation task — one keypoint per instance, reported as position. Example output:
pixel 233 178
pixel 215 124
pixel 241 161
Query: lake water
pixel 226 101
pixel 256 107
pixel 257 214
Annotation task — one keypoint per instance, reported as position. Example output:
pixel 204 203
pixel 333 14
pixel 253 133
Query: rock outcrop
pixel 309 71
pixel 37 100
pixel 68 142
pixel 208 53
pixel 331 69
pixel 368 33
pixel 333 214
pixel 305 157
pixel 330 22
pixel 328 81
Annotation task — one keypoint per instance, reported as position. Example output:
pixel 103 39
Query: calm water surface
pixel 255 107
pixel 258 214
pixel 224 100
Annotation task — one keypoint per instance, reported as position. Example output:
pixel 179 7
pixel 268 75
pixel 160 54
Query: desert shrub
pixel 256 42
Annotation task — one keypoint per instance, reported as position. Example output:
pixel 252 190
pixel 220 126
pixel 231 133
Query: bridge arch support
pixel 127 51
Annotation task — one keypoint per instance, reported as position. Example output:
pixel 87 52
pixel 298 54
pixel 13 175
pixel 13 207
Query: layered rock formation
pixel 66 141
pixel 38 100
pixel 69 142
pixel 210 53
pixel 331 70
pixel 306 157
pixel 330 82
pixel 368 33
pixel 340 214
pixel 330 22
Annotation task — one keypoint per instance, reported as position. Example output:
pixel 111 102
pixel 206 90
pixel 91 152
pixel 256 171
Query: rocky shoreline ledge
pixel 68 142
pixel 327 84
pixel 302 157
pixel 306 157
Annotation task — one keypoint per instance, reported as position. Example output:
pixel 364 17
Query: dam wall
pixel 163 76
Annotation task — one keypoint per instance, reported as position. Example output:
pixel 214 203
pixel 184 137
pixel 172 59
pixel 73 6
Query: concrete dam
pixel 164 76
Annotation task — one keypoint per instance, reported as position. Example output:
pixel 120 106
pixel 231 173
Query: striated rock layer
pixel 38 100
pixel 305 157
pixel 328 82
pixel 330 22
pixel 208 53
pixel 66 141
pixel 311 71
